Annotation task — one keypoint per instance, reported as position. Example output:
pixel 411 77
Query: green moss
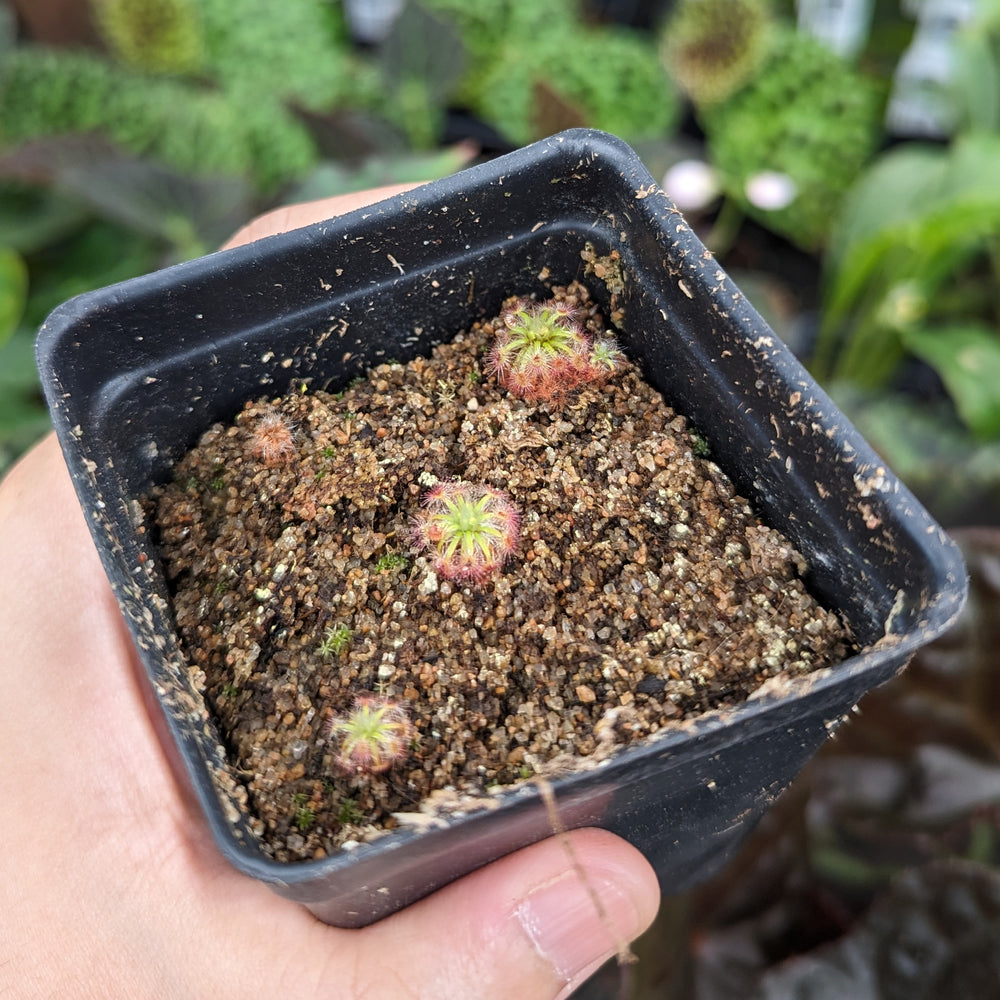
pixel 293 50
pixel 181 124
pixel 631 95
pixel 711 47
pixel 155 36
pixel 806 114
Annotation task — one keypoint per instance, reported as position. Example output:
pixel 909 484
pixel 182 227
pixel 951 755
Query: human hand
pixel 110 885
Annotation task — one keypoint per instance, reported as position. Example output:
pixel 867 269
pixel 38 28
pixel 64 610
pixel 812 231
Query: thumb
pixel 535 924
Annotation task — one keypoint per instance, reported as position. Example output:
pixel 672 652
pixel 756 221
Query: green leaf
pixel 967 357
pixel 977 79
pixel 192 215
pixel 13 291
pixel 33 218
pixel 921 216
pixel 887 197
pixel 914 187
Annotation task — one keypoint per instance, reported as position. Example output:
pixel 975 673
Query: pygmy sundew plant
pixel 469 530
pixel 542 351
pixel 271 439
pixel 373 736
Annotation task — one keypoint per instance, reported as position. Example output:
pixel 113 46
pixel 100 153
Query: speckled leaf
pixel 967 357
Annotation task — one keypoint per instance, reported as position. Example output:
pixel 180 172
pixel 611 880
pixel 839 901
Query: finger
pixel 282 220
pixel 524 927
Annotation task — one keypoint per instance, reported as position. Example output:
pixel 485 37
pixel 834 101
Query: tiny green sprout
pixel 217 484
pixel 348 811
pixel 304 818
pixel 230 690
pixel 221 587
pixel 370 738
pixel 390 561
pixel 329 451
pixel 699 444
pixel 335 640
pixel 468 529
pixel 606 358
pixel 300 798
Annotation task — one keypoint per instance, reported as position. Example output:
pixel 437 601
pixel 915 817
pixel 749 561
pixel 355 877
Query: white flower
pixel 691 185
pixel 770 190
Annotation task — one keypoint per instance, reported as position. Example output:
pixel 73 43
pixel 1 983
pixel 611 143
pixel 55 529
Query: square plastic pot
pixel 135 372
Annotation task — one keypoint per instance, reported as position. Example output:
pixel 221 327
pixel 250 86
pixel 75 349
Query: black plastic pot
pixel 135 372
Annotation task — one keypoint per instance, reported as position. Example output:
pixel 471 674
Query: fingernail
pixel 576 929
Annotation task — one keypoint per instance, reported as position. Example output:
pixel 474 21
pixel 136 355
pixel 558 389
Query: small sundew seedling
pixel 699 443
pixel 390 561
pixel 468 530
pixel 542 352
pixel 348 811
pixel 304 818
pixel 272 440
pixel 335 640
pixel 370 738
pixel 606 359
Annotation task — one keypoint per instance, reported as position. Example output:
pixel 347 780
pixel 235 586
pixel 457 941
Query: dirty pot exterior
pixel 135 372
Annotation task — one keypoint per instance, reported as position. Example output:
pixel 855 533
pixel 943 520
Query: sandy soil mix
pixel 642 590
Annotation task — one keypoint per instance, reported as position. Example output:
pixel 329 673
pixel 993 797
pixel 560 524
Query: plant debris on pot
pixel 485 511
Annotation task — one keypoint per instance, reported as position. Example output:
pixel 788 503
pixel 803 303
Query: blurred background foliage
pixel 839 156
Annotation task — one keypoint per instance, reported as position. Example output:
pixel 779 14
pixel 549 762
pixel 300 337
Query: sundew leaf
pixel 967 357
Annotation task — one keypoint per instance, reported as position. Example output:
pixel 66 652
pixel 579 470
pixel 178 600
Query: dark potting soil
pixel 642 591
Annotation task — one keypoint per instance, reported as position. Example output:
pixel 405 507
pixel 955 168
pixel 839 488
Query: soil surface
pixel 643 590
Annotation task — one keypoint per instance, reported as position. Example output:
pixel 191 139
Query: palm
pixel 110 886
